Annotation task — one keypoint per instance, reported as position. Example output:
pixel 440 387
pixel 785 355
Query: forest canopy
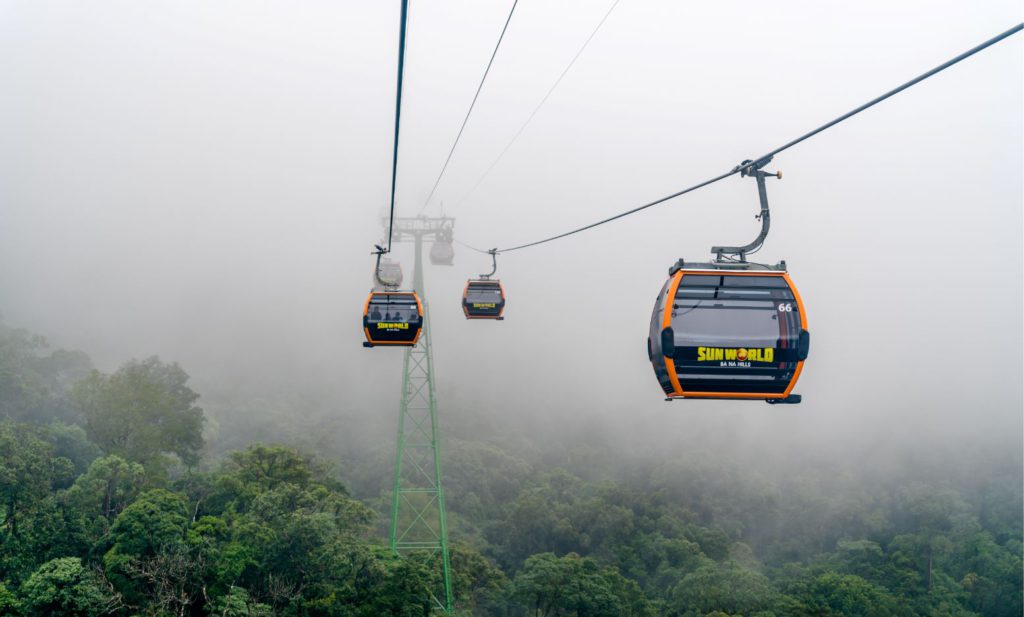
pixel 119 498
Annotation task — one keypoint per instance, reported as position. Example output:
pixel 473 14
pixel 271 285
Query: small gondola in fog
pixel 484 297
pixel 730 329
pixel 387 274
pixel 442 253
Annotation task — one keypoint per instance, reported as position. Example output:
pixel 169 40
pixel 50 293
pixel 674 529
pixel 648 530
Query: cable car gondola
pixel 442 253
pixel 483 297
pixel 387 274
pixel 718 333
pixel 730 329
pixel 392 318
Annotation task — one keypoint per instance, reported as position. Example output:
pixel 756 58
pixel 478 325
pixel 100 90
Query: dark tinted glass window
pixel 733 313
pixel 734 334
pixel 483 295
pixel 694 280
pixel 393 309
pixel 754 281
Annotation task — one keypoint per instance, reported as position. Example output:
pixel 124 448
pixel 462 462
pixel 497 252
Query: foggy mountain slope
pixel 703 525
pixel 204 183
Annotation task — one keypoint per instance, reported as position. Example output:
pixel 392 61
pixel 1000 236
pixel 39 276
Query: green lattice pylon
pixel 417 505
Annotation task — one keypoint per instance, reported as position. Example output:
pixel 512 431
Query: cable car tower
pixel 418 521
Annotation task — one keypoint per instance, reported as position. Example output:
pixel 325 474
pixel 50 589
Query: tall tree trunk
pixel 929 566
pixel 12 518
pixel 107 499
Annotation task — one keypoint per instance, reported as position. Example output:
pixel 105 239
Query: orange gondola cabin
pixel 483 299
pixel 729 333
pixel 392 318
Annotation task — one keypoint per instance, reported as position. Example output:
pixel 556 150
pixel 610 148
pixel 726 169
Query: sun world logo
pixel 741 354
pixel 484 305
pixel 385 325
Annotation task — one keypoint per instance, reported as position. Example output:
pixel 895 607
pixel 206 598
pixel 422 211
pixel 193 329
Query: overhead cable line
pixel 471 105
pixel 470 247
pixel 764 159
pixel 398 115
pixel 539 105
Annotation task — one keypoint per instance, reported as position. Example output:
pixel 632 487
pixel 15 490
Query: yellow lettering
pixel 730 354
pixel 769 354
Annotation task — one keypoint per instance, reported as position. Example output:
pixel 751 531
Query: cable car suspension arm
pixel 751 168
pixel 378 251
pixel 494 264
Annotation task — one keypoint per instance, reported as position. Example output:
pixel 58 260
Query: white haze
pixel 204 181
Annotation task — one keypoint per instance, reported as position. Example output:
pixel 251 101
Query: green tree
pixel 143 412
pixel 277 524
pixel 478 585
pixel 34 385
pixel 238 603
pixel 65 588
pixel 95 499
pixel 28 470
pixel 107 487
pixel 71 442
pixel 157 519
pixel 550 586
pixel 928 513
pixel 149 561
pixel 9 603
pixel 726 587
pixel 848 595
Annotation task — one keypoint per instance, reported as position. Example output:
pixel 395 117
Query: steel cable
pixel 470 110
pixel 767 157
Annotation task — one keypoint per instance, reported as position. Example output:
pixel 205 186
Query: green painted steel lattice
pixel 418 521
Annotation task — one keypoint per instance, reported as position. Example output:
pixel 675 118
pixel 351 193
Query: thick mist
pixel 204 182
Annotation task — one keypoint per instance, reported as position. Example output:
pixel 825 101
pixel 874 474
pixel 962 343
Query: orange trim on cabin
pixel 803 324
pixel 504 298
pixel 465 294
pixel 419 307
pixel 730 395
pixel 670 364
pixel 666 321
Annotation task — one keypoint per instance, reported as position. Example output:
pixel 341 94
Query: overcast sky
pixel 204 181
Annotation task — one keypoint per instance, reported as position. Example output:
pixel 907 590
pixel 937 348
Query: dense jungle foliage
pixel 121 496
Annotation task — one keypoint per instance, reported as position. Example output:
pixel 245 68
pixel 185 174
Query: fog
pixel 204 181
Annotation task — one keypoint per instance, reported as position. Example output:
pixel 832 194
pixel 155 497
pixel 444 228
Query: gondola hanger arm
pixel 379 250
pixel 494 264
pixel 755 170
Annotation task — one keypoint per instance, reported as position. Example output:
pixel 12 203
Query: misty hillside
pixel 248 512
pixel 587 308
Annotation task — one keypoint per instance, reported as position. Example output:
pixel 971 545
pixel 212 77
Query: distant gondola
pixel 442 253
pixel 483 299
pixel 388 274
pixel 392 318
